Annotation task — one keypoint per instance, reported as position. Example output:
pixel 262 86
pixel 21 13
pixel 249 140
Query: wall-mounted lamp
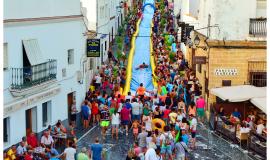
pixel 197 41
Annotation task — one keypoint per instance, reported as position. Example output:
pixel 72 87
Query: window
pixel 6 130
pixel 106 11
pixel 100 12
pixel 5 65
pixel 105 46
pixel 226 82
pixel 64 72
pixel 46 113
pixel 91 64
pixel 199 68
pixel 71 56
pixel 258 79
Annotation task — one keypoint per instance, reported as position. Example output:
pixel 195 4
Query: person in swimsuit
pixel 142 66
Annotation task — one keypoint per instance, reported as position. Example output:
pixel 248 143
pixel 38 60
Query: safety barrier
pixel 130 59
pixel 152 59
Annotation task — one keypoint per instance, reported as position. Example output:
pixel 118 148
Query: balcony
pixel 257 27
pixel 28 77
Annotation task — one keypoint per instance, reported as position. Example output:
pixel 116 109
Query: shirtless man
pixel 142 66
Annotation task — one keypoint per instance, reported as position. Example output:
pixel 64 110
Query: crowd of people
pixel 33 148
pixel 164 126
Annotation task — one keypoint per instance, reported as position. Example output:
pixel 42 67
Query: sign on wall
pixel 199 60
pixel 225 72
pixel 93 48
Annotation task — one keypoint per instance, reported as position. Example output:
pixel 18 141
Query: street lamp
pixel 197 41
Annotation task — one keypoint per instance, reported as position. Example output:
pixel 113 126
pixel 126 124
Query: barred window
pixel 258 79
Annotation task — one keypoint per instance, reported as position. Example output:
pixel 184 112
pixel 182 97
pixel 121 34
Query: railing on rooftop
pixel 257 27
pixel 27 77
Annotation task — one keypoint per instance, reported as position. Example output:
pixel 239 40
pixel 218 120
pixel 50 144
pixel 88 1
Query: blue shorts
pixel 166 149
pixel 136 117
pixel 125 122
pixel 85 117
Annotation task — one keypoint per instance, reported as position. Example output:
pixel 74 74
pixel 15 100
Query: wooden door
pixel 70 102
pixel 28 121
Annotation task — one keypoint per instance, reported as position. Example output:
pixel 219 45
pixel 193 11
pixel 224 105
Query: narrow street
pixel 172 79
pixel 209 146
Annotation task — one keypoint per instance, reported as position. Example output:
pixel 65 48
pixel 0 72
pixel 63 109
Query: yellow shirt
pixel 11 154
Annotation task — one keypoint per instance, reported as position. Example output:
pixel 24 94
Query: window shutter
pixel 5 57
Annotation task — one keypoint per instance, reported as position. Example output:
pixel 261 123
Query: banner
pixel 93 48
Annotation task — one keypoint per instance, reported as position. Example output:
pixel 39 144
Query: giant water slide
pixel 140 52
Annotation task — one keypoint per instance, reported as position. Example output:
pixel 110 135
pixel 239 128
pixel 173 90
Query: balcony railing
pixel 257 27
pixel 26 77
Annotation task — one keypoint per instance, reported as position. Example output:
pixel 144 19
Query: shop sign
pixel 225 72
pixel 93 48
pixel 199 60
pixel 26 102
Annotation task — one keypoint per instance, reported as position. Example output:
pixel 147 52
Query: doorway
pixel 31 120
pixel 112 35
pixel 118 21
pixel 70 102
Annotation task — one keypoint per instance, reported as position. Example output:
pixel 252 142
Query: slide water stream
pixel 142 51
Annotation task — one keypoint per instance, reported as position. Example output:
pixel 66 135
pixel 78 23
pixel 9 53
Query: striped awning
pixel 33 51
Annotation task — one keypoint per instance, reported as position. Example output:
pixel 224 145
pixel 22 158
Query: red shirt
pixel 125 114
pixel 27 157
pixel 32 141
pixel 94 109
pixel 166 113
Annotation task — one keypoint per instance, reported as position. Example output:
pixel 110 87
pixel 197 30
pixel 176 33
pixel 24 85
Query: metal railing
pixel 26 77
pixel 257 27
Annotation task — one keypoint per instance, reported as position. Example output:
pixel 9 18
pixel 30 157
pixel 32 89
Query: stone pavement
pixel 209 146
pixel 115 150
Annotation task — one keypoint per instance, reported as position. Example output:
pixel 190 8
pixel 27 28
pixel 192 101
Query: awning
pixel 260 103
pixel 33 51
pixel 239 93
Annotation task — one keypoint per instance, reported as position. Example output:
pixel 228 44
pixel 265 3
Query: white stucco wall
pixel 91 13
pixel 55 37
pixel 16 9
pixel 231 16
pixel 194 7
pixel 54 42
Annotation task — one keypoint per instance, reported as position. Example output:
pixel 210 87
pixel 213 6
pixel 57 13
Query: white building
pixel 236 20
pixel 224 19
pixel 45 64
pixel 104 17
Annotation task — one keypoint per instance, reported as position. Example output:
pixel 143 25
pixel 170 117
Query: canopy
pixel 239 93
pixel 33 51
pixel 260 103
